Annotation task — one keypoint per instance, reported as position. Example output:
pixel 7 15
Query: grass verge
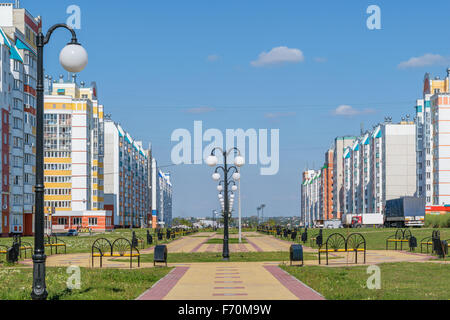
pixel 399 281
pixel 96 284
pixel 376 238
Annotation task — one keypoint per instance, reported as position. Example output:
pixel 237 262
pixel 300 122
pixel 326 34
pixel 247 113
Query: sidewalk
pixel 229 281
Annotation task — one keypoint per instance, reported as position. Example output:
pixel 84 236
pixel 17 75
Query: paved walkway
pixel 230 281
pixel 255 243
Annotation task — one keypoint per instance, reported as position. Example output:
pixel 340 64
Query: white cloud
pixel 213 57
pixel 279 55
pixel 427 59
pixel 199 110
pixel 346 110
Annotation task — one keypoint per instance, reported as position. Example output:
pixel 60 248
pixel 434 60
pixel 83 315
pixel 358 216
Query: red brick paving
pixel 254 245
pixel 163 286
pixel 298 288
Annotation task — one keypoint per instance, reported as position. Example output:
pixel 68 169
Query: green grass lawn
pixel 399 281
pixel 180 257
pixel 96 284
pixel 376 238
pixel 220 240
pixel 235 230
pixel 83 243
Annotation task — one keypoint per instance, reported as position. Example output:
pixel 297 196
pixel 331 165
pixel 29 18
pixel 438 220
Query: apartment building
pixel 310 187
pixel 380 166
pixel 326 187
pixel 127 178
pixel 424 135
pixel 340 145
pixel 18 71
pixel 164 205
pixel 440 110
pixel 74 156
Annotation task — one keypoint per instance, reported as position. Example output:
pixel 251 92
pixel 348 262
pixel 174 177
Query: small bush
pixel 437 221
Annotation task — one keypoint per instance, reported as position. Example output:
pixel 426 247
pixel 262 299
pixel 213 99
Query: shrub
pixel 437 221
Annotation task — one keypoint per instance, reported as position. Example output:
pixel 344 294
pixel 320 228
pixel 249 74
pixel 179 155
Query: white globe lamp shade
pixel 73 58
pixel 232 196
pixel 212 161
pixel 239 161
pixel 234 188
pixel 220 196
pixel 216 176
pixel 236 176
pixel 219 188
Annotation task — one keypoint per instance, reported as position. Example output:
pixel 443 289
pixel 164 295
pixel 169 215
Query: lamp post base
pixel 39 291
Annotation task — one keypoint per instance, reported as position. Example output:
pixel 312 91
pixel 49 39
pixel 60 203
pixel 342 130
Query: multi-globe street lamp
pixel 73 58
pixel 225 198
pixel 262 212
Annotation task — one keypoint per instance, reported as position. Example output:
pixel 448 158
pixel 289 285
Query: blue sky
pixel 155 60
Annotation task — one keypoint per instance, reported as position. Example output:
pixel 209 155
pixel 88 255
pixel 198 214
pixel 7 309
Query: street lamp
pixel 262 212
pixel 257 215
pixel 73 58
pixel 212 161
pixel 214 219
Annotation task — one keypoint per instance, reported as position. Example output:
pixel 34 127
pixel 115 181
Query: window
pixel 17 84
pixel 77 221
pixel 16 65
pixel 17 142
pixel 92 221
pixel 62 221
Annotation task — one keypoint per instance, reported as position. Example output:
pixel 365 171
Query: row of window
pixel 58 166
pixel 58 179
pixel 77 221
pixel 57 154
pixel 57 204
pixel 57 192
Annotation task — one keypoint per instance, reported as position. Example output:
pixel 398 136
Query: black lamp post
pixel 238 161
pixel 74 59
pixel 257 216
pixel 262 213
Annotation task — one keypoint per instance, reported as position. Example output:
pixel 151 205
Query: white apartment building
pixel 74 156
pixel 440 110
pixel 310 191
pixel 164 203
pixel 18 71
pixel 127 178
pixel 380 166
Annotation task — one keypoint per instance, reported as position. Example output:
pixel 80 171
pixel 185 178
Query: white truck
pixel 359 220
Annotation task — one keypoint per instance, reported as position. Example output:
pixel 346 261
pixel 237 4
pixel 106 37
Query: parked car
pixel 72 232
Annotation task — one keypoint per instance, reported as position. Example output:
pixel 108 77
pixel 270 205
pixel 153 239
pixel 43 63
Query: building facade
pixel 73 153
pixel 326 187
pixel 340 145
pixel 164 199
pixel 425 136
pixel 440 110
pixel 18 72
pixel 310 191
pixel 380 166
pixel 127 178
